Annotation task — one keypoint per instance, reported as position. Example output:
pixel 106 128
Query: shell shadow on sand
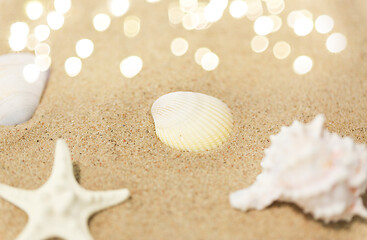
pixel 341 225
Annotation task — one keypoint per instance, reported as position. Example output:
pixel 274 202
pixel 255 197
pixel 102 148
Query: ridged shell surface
pixel 18 98
pixel 191 121
pixel 321 172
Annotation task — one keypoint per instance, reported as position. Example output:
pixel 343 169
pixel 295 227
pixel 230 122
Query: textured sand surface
pixel 105 119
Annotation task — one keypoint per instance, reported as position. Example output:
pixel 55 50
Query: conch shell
pixel 321 172
pixel 191 121
pixel 18 98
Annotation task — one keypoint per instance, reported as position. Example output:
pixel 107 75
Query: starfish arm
pixel 39 230
pixel 29 232
pixel 104 199
pixel 85 235
pixel 19 197
pixel 63 165
pixel 80 233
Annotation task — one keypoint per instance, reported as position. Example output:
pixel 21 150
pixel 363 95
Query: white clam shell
pixel 321 172
pixel 191 121
pixel 18 98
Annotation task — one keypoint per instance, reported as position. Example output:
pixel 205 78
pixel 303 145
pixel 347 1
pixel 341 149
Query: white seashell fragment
pixel 19 98
pixel 191 121
pixel 321 172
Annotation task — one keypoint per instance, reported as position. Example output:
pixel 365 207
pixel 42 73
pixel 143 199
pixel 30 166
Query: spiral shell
pixel 191 121
pixel 18 98
pixel 321 172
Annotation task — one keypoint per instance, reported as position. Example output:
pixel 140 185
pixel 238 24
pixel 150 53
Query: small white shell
pixel 191 121
pixel 319 171
pixel 18 98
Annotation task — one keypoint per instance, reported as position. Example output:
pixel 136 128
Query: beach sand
pixel 106 121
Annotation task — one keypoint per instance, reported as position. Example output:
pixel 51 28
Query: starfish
pixel 61 207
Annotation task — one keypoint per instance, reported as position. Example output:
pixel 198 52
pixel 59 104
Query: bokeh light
pixel 101 22
pixel 43 62
pixel 17 43
pixel 293 17
pixel 62 6
pixel 31 73
pixel 42 49
pixel 303 26
pixel 212 13
pixel 20 29
pixel 55 20
pixel 179 46
pixel 324 24
pixel 200 53
pixel 18 36
pixel 254 9
pixel 336 42
pixel 34 10
pixel 302 65
pixel 190 21
pixel 32 42
pixel 306 13
pixel 131 26
pixel 202 22
pixel 84 48
pixel 220 4
pixel 188 5
pixel 193 15
pixel 131 66
pixel 263 25
pixel 277 22
pixel 73 66
pixel 214 10
pixel 42 32
pixel 175 14
pixel 209 61
pixel 259 44
pixel 281 50
pixel 275 6
pixel 238 8
pixel 118 7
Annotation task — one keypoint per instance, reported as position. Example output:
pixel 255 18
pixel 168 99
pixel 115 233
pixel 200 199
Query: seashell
pixel 191 121
pixel 321 172
pixel 18 98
